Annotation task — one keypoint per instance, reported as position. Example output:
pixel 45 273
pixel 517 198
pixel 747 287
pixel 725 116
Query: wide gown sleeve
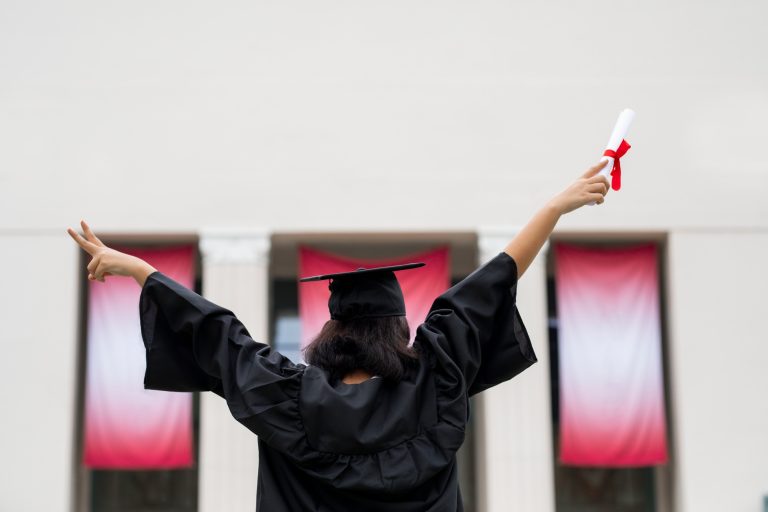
pixel 193 344
pixel 477 324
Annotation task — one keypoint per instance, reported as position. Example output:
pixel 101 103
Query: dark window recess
pixel 149 490
pixel 285 330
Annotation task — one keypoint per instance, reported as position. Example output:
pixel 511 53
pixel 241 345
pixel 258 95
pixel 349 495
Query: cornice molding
pixel 232 245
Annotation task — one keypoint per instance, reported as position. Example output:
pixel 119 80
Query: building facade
pixel 249 128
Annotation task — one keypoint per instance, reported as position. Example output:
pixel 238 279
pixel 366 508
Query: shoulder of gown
pixel 474 330
pixel 193 344
pixel 473 338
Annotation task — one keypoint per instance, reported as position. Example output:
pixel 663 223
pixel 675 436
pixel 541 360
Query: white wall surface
pixel 149 117
pixel 719 369
pixel 38 351
pixel 176 114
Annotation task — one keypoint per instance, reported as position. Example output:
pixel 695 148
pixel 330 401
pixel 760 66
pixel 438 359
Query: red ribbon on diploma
pixel 616 155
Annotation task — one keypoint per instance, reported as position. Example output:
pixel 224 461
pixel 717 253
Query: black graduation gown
pixel 330 446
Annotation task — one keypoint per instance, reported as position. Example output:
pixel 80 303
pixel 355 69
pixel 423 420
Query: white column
pixel 514 431
pixel 235 276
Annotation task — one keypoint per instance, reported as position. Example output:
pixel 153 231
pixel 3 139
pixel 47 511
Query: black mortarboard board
pixel 365 292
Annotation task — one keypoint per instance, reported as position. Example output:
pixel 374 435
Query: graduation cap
pixel 365 292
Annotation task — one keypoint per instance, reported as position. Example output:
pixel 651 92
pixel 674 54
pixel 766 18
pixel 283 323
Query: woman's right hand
pixel 106 261
pixel 590 187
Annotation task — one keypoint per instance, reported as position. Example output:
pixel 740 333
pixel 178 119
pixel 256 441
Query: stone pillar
pixel 514 450
pixel 235 276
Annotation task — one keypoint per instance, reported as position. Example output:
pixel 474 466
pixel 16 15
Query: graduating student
pixel 370 423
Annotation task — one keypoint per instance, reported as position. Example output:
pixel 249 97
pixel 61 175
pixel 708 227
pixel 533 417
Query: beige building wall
pixel 719 358
pixel 39 308
pixel 177 117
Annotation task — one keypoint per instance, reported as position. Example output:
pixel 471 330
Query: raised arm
pixel 193 344
pixel 475 325
pixel 590 187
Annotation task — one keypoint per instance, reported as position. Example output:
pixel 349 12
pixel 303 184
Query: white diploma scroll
pixel 618 134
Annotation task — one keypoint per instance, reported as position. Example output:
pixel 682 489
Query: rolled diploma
pixel 617 135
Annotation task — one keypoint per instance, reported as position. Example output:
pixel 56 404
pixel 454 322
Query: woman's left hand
pixel 105 261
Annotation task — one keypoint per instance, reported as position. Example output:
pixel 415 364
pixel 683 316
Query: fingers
pixel 89 234
pixel 600 186
pixel 96 269
pixel 599 178
pixel 595 169
pixel 87 246
pixel 98 274
pixel 94 264
pixel 91 277
pixel 93 246
pixel 597 198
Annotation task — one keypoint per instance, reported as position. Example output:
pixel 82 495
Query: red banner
pixel 609 332
pixel 126 426
pixel 420 286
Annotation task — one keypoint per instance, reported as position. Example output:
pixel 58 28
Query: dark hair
pixel 378 346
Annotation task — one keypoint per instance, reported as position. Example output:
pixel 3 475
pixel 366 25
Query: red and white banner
pixel 420 286
pixel 126 426
pixel 611 380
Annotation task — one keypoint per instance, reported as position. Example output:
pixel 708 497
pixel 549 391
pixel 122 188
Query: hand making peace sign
pixel 106 261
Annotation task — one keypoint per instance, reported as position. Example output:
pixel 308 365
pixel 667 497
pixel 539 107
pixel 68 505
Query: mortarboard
pixel 365 292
